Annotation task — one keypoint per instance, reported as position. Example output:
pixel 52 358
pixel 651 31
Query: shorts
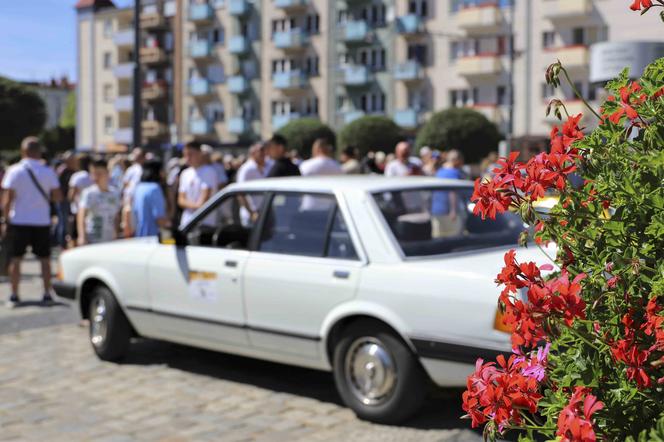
pixel 37 237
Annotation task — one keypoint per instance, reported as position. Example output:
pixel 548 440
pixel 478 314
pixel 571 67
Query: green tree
pixel 464 129
pixel 302 133
pixel 22 113
pixel 59 139
pixel 68 117
pixel 371 133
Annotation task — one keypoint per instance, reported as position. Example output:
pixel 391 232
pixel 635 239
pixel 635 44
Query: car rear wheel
pixel 377 375
pixel 110 331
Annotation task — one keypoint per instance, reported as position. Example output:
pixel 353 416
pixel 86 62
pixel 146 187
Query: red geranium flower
pixel 490 197
pixel 574 421
pixel 638 4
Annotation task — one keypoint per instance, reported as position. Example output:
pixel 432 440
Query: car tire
pixel 377 375
pixel 110 331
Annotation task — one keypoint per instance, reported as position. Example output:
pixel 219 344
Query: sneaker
pixel 47 299
pixel 13 301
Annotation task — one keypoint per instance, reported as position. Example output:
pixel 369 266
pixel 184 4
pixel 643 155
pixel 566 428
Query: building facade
pixel 233 71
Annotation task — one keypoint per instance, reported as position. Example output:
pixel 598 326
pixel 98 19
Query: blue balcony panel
pixel 408 71
pixel 238 8
pixel 199 87
pixel 238 45
pixel 237 84
pixel 353 115
pixel 279 121
pixel 201 12
pixel 200 126
pixel 356 31
pixel 356 75
pixel 237 125
pixel 408 118
pixel 200 49
pixel 410 24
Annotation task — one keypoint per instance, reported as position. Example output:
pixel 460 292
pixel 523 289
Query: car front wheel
pixel 110 331
pixel 377 375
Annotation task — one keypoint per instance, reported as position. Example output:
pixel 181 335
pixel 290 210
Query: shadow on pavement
pixel 441 411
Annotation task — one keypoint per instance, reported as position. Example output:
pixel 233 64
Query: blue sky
pixel 38 38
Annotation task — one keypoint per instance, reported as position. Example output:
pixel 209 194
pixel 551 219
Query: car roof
pixel 344 183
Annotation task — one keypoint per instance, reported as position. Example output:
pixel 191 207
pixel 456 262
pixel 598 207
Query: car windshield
pixel 435 221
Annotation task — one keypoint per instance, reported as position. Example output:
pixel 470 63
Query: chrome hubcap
pixel 370 371
pixel 98 322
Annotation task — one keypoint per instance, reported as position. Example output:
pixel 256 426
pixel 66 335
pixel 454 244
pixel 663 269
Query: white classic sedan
pixel 387 282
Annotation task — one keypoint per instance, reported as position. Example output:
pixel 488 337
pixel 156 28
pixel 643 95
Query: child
pixel 99 209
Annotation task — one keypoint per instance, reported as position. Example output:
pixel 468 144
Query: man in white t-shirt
pixel 402 165
pixel 79 181
pixel 29 187
pixel 133 174
pixel 99 211
pixel 321 161
pixel 256 167
pixel 197 185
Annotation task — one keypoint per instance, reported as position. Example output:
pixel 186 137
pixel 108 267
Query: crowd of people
pixel 97 199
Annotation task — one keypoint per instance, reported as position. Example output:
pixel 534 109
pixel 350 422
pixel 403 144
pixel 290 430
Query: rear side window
pixel 306 225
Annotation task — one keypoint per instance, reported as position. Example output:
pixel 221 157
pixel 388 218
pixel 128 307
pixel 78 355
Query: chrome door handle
pixel 231 264
pixel 341 274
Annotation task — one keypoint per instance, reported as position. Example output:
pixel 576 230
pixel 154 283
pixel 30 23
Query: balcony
pixel 201 13
pixel 409 71
pixel 410 24
pixel 200 126
pixel 491 111
pixel 152 20
pixel 153 129
pixel 237 125
pixel 288 80
pixel 238 45
pixel 355 31
pixel 200 87
pixel 154 91
pixel 124 135
pixel 350 116
pixel 407 118
pixel 565 9
pixel 293 39
pixel 479 65
pixel 356 75
pixel 290 4
pixel 238 8
pixel 237 84
pixel 482 18
pixel 124 103
pixel 124 71
pixel 152 56
pixel 279 121
pixel 573 57
pixel 200 49
pixel 124 38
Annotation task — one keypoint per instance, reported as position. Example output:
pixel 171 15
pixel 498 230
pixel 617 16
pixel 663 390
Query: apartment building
pixel 233 71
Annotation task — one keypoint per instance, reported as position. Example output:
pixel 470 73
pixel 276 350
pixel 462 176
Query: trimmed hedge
pixel 302 133
pixel 371 133
pixel 464 129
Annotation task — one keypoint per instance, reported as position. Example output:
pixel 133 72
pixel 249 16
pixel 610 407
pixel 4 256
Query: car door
pixel 196 289
pixel 305 263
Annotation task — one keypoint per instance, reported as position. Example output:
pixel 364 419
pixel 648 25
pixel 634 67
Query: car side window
pixel 306 225
pixel 340 244
pixel 229 223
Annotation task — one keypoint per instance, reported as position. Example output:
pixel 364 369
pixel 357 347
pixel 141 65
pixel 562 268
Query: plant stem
pixel 578 94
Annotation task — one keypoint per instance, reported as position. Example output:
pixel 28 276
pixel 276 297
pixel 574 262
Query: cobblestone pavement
pixel 53 388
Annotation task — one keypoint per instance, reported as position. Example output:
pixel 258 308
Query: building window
pixel 548 39
pixel 547 91
pixel 311 65
pixel 217 36
pixel 418 7
pixel 373 102
pixel 216 73
pixel 312 24
pixel 108 28
pixel 215 112
pixel 310 106
pixel 418 52
pixel 108 93
pixel 108 125
pixel 501 95
pixel 578 36
pixel 108 60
